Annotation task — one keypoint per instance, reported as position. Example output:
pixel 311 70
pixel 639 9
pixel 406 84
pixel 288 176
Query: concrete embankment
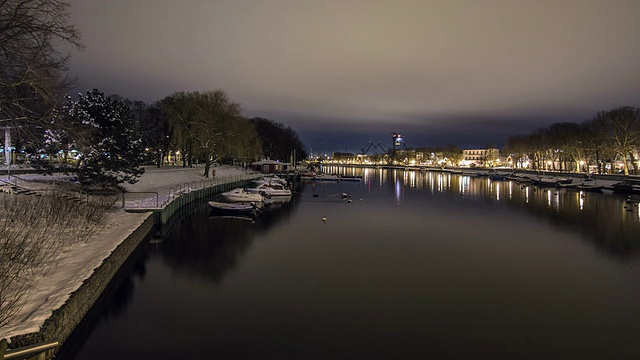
pixel 62 322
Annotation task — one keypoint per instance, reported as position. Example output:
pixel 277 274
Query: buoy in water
pixel 324 218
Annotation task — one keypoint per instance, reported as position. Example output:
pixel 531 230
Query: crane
pixel 366 149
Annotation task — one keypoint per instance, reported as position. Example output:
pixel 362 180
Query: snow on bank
pixel 78 262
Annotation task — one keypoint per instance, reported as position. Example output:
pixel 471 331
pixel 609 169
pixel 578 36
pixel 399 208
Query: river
pixel 419 265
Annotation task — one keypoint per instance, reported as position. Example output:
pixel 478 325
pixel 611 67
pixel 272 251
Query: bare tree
pixel 209 125
pixel 34 40
pixel 33 232
pixel 621 126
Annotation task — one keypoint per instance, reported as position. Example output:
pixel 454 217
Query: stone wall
pixel 64 320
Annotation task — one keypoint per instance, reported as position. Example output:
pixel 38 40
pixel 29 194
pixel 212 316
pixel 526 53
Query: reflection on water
pixel 419 265
pixel 612 225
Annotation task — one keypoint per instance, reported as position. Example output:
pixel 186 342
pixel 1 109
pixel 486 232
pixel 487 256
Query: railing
pixel 8 181
pixel 124 193
pixel 179 189
pixel 27 351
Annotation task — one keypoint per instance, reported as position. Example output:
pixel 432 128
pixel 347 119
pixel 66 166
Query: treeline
pixel 611 136
pixel 105 139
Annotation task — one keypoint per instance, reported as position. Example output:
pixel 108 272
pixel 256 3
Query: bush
pixel 33 232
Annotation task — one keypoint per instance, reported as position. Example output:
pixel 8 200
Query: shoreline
pixel 60 301
pixel 58 314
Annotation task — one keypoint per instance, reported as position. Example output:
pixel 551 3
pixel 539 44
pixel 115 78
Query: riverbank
pixel 80 262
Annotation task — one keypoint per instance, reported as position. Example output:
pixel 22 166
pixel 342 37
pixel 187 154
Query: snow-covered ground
pixel 78 262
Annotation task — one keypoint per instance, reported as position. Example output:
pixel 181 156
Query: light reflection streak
pixel 526 195
pixel 581 199
pixel 412 179
pixel 497 191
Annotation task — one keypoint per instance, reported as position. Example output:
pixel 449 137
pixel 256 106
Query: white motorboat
pixel 270 189
pixel 240 195
pixel 235 209
pixel 273 180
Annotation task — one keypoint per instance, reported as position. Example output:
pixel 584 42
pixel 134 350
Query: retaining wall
pixel 63 321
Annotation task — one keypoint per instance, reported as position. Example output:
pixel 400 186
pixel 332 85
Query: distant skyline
pixel 343 73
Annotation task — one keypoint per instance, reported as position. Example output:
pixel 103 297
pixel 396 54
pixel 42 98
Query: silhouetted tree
pixel 279 142
pixel 622 127
pixel 32 66
pixel 209 125
pixel 111 152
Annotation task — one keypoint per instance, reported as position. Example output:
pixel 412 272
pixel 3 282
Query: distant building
pixel 269 166
pixel 480 157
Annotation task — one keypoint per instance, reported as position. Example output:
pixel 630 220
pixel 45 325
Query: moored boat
pixel 499 176
pixel 270 189
pixel 551 182
pixel 336 177
pixel 273 179
pixel 240 195
pixel 233 208
pixel 590 188
pixel 626 187
pixel 307 176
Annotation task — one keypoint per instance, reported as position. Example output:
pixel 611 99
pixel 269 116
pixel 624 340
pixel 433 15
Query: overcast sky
pixel 343 73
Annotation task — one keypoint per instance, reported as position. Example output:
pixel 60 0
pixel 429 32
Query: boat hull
pixel 233 209
pixel 240 195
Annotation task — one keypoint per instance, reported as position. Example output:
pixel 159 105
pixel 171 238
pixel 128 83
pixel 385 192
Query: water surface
pixel 419 265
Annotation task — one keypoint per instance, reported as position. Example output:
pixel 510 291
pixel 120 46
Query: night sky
pixel 343 73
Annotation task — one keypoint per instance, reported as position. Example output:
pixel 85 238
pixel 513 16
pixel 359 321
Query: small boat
pixel 240 195
pixel 590 188
pixel 625 187
pixel 336 177
pixel 235 209
pixel 551 182
pixel 273 179
pixel 500 176
pixel 270 189
pixel 523 180
pixel 307 176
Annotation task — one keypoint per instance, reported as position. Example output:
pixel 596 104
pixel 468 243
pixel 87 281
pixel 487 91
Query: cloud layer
pixel 431 69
